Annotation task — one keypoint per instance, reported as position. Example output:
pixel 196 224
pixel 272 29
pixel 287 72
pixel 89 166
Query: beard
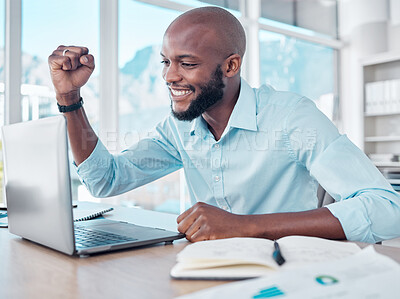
pixel 210 94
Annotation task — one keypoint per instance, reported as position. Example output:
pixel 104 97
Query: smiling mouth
pixel 180 92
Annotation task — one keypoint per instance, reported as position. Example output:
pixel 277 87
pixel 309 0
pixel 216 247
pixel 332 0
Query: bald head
pixel 213 25
pixel 201 54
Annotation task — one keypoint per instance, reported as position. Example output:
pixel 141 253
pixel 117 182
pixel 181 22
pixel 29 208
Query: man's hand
pixel 69 72
pixel 205 222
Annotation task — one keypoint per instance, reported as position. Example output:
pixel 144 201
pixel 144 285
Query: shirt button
pixel 217 178
pixel 216 145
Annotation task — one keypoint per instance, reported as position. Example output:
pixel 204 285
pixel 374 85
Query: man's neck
pixel 217 117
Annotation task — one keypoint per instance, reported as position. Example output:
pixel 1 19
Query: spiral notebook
pixel 79 215
pixel 82 215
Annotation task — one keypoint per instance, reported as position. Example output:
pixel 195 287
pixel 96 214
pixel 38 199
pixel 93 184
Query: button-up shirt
pixel 275 150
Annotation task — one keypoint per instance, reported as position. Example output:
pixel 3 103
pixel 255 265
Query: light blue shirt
pixel 274 151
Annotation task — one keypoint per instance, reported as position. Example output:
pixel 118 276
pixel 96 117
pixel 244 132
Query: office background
pixel 328 50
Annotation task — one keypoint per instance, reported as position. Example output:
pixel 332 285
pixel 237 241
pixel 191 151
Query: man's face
pixel 192 72
pixel 208 95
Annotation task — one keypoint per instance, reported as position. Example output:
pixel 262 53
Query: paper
pixel 366 274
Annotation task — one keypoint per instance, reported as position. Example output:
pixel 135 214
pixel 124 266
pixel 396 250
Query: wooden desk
pixel 29 270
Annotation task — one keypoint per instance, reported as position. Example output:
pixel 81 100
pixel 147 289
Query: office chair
pixel 323 197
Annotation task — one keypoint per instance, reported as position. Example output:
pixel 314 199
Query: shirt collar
pixel 243 115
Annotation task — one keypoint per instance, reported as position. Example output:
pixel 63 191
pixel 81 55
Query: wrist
pixel 255 226
pixel 70 108
pixel 70 98
pixel 247 226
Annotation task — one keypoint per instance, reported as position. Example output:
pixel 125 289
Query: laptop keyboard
pixel 87 237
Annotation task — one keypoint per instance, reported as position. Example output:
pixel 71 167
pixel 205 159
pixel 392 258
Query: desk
pixel 29 270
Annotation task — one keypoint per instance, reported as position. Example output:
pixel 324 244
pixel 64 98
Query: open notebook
pixel 239 258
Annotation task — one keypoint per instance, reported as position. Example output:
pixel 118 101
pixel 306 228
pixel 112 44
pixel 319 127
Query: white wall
pixel 394 26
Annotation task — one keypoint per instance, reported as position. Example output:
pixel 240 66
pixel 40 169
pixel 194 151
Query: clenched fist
pixel 205 222
pixel 70 69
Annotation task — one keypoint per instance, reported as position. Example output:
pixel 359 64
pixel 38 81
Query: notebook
pixel 83 215
pixel 79 215
pixel 38 195
pixel 240 258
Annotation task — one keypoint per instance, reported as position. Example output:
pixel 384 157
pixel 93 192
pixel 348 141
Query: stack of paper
pixel 366 274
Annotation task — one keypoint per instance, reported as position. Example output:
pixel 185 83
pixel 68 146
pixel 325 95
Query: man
pixel 253 158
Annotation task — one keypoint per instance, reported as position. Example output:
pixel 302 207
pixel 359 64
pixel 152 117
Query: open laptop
pixel 38 194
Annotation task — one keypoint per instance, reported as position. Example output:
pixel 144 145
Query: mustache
pixel 177 86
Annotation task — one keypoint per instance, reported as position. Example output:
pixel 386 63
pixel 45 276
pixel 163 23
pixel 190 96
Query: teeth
pixel 180 92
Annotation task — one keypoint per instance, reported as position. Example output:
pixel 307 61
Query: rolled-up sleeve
pixel 365 203
pixel 367 206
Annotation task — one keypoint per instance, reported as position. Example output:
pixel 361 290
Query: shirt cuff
pixel 351 215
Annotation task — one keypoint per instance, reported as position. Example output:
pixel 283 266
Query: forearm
pixel 206 222
pixel 318 223
pixel 81 135
pixel 70 69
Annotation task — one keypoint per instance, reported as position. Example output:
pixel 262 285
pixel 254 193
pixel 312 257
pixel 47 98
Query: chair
pixel 323 197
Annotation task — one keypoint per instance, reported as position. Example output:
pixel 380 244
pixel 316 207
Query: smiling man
pixel 193 66
pixel 252 158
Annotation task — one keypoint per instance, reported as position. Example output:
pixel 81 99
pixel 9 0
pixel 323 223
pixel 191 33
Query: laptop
pixel 38 195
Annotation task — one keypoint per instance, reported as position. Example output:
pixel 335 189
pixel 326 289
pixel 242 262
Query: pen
pixel 277 254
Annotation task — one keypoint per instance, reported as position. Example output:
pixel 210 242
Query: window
pixel 46 24
pixel 2 33
pixel 2 36
pixel 302 67
pixel 318 16
pixel 231 5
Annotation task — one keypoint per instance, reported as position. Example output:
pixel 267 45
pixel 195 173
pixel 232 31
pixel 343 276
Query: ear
pixel 232 65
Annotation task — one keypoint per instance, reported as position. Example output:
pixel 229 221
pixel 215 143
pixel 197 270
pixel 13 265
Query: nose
pixel 171 73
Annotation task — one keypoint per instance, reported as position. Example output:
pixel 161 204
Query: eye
pixel 184 64
pixel 165 62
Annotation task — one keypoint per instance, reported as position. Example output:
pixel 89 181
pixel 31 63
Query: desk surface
pixel 29 270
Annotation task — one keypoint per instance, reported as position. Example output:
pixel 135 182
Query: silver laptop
pixel 38 195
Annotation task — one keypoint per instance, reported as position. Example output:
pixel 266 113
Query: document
pixel 239 258
pixel 366 274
